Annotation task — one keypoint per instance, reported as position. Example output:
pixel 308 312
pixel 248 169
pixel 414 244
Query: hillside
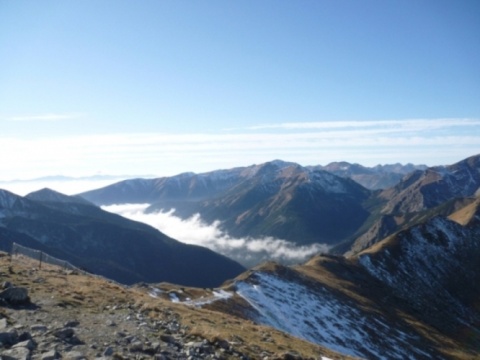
pixel 421 195
pixel 277 199
pixel 412 295
pixel 73 316
pixel 72 229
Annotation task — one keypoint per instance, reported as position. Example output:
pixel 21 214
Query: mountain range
pixel 414 295
pixel 303 205
pixel 373 178
pixel 401 281
pixel 278 199
pixel 103 243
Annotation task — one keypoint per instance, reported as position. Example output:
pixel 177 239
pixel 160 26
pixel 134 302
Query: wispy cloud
pixel 432 142
pixel 379 125
pixel 43 117
pixel 248 251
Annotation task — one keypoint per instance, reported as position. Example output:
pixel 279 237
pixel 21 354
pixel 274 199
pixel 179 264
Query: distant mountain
pixel 413 295
pixel 373 178
pixel 431 187
pixel 278 199
pixel 419 196
pixel 73 229
pixel 63 178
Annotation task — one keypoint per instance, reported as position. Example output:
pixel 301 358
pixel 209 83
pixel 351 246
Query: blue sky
pixel 162 87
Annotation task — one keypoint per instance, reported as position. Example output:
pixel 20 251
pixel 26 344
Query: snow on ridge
pixel 429 254
pixel 329 182
pixel 317 315
pixel 217 294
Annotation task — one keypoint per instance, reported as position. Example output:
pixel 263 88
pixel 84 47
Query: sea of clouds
pixel 247 251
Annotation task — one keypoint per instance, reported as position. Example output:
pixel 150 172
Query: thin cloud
pixel 400 125
pixel 43 117
pixel 248 251
pixel 432 142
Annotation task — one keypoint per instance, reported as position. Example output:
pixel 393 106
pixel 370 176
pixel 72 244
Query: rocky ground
pixel 61 314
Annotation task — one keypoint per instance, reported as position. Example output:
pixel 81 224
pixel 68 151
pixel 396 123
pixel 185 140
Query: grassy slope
pixel 91 296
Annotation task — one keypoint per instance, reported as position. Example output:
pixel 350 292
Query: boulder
pixel 8 338
pixel 29 344
pixel 50 355
pixel 18 353
pixel 15 296
pixel 64 333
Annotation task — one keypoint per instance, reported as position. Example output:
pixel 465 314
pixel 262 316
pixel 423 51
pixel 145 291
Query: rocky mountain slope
pixel 433 186
pixel 408 291
pixel 413 295
pixel 373 178
pixel 72 229
pixel 73 316
pixel 436 191
pixel 278 199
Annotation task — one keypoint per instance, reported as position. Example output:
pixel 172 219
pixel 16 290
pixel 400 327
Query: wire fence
pixel 44 258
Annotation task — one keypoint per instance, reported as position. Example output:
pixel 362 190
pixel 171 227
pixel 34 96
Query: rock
pixel 24 337
pixel 160 357
pixel 3 324
pixel 50 355
pixel 6 284
pixel 64 333
pixel 38 328
pixel 136 346
pixel 9 338
pixel 72 323
pixel 108 351
pixel 15 296
pixel 74 355
pixel 74 341
pixel 152 349
pixel 167 338
pixel 19 353
pixel 29 344
pixel 289 356
pixel 223 344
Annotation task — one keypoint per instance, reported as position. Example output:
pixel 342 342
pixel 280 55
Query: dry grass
pixel 331 272
pixel 465 215
pixel 81 294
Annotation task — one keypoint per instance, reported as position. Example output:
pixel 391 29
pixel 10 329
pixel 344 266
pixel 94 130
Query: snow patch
pixel 173 297
pixel 316 315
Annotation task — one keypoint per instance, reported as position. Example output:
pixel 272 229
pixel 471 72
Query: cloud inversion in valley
pixel 247 251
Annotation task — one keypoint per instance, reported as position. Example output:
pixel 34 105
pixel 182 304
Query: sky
pixel 163 87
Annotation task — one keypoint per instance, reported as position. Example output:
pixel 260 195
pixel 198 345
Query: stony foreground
pixel 63 315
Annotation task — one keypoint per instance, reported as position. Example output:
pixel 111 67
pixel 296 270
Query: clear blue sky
pixel 161 87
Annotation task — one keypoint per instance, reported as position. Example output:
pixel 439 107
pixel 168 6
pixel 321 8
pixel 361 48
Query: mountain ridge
pixel 259 200
pixel 107 244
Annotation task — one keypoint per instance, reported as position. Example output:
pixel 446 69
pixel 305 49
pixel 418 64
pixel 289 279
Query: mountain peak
pixel 7 198
pixel 50 195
